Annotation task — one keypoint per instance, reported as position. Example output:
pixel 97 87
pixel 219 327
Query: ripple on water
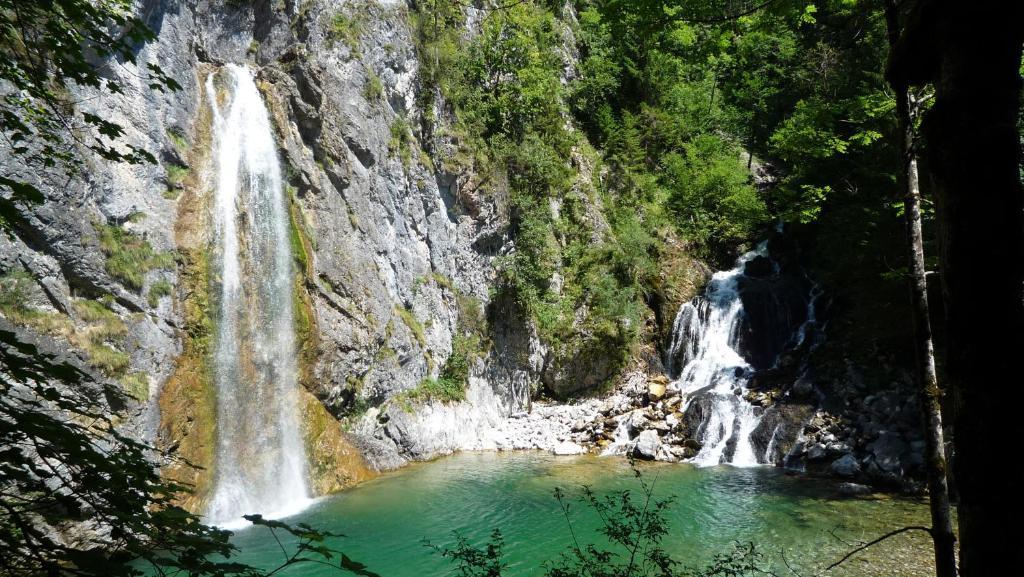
pixel 386 519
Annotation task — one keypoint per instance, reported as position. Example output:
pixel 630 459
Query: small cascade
pixel 260 456
pixel 621 441
pixel 716 349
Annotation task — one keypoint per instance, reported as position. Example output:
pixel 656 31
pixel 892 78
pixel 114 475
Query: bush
pixel 177 137
pixel 373 90
pixel 137 385
pixel 176 175
pixel 109 360
pixel 401 139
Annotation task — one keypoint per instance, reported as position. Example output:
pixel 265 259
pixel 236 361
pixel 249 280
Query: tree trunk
pixel 943 539
pixel 971 51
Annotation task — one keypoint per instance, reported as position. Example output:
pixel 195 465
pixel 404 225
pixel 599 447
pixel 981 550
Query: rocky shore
pixel 870 443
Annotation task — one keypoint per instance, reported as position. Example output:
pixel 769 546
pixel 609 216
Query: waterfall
pixel 706 345
pixel 260 457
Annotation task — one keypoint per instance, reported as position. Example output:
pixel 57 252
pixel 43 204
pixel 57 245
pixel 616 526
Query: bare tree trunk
pixel 943 539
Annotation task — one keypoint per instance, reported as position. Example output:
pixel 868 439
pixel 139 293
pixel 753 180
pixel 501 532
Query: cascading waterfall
pixel 260 457
pixel 705 338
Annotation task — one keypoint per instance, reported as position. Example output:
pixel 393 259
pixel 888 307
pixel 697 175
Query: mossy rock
pixel 334 463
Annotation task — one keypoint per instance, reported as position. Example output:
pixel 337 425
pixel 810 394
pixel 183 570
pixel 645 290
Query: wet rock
pixel 759 267
pixel 636 422
pixel 845 466
pixel 777 431
pixel 775 307
pixel 854 489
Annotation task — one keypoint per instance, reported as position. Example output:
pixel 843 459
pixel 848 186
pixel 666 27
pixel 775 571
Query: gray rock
pixel 887 453
pixel 845 466
pixel 816 452
pixel 636 422
pixel 803 387
pixel 646 446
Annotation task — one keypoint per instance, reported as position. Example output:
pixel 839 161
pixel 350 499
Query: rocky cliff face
pixel 394 254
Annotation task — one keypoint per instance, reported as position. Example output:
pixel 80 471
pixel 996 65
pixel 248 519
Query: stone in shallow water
pixel 647 445
pixel 568 448
pixel 854 489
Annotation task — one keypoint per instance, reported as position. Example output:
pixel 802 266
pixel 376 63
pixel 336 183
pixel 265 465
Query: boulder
pixel 887 452
pixel 665 454
pixel 845 466
pixel 647 446
pixel 803 388
pixel 816 452
pixel 636 422
pixel 568 448
pixel 655 391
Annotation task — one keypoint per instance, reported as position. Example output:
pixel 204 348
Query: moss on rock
pixel 334 463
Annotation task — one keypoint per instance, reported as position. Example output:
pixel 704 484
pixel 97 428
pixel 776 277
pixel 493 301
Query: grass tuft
pixel 129 256
pixel 157 291
pixel 442 389
pixel 415 326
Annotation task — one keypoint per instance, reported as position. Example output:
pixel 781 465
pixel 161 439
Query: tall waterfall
pixel 260 457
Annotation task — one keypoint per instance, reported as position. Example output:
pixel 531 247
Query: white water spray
pixel 706 333
pixel 260 457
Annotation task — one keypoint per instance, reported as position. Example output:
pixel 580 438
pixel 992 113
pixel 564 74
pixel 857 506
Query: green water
pixel 386 520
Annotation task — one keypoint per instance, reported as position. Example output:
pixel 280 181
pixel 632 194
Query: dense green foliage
pixel 659 113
